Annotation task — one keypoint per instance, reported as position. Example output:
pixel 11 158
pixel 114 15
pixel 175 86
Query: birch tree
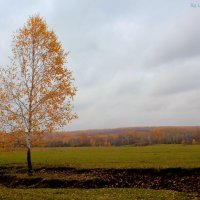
pixel 36 90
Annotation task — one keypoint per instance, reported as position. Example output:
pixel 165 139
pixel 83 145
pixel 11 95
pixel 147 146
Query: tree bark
pixel 29 161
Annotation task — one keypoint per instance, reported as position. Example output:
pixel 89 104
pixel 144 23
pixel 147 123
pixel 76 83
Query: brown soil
pixel 185 180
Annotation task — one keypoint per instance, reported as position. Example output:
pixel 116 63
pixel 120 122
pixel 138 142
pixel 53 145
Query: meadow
pixel 155 156
pixel 88 165
pixel 92 194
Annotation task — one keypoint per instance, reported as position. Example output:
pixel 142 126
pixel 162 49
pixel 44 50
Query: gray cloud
pixel 136 63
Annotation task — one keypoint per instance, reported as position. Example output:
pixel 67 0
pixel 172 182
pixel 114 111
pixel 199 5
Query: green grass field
pixel 91 194
pixel 156 156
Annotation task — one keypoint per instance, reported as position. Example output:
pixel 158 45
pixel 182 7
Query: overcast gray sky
pixel 136 62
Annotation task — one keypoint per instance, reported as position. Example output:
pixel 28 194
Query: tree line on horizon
pixel 113 137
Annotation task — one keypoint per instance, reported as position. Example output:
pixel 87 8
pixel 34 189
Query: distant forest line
pixel 137 136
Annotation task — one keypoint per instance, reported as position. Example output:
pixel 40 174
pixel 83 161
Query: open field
pixel 156 156
pixel 91 194
pixel 102 173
